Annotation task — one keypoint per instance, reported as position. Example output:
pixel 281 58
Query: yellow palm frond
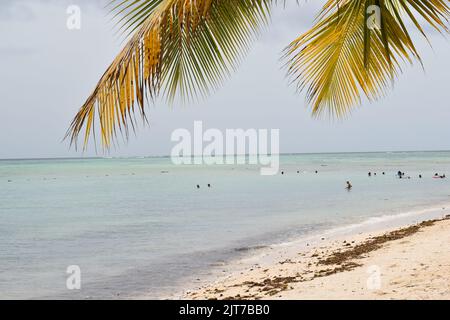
pixel 184 47
pixel 341 58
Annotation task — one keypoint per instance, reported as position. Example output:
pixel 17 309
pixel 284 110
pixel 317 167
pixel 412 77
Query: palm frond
pixel 340 58
pixel 178 48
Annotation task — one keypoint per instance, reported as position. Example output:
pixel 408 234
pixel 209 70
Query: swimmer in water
pixel 349 185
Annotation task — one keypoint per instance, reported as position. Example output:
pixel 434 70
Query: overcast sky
pixel 47 71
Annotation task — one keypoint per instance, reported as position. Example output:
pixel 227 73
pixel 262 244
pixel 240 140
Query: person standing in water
pixel 349 185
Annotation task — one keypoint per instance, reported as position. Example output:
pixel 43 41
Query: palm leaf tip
pixel 340 60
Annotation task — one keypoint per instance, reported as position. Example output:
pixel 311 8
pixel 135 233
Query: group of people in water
pixel 209 186
pixel 349 186
pixel 370 174
pixel 298 171
pixel 400 175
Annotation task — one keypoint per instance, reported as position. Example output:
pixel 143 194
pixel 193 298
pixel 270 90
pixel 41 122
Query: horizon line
pixel 222 155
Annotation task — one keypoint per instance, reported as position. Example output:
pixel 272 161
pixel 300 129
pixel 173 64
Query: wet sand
pixel 411 262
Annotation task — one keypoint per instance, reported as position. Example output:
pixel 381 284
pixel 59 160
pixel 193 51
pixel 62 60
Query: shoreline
pixel 310 267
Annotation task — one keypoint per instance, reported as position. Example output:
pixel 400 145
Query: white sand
pixel 416 266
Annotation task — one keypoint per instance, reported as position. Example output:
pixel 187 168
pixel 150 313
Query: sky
pixel 47 72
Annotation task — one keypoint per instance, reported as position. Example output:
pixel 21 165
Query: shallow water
pixel 139 225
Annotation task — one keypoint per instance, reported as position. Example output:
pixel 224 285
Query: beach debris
pixel 286 261
pixel 358 251
pixel 329 271
pixel 272 286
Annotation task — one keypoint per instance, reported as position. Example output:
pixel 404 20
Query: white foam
pixel 376 223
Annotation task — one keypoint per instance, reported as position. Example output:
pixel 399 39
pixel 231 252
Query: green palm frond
pixel 186 48
pixel 341 57
pixel 178 48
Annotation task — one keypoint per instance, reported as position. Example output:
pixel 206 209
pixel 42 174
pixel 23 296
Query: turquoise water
pixel 139 225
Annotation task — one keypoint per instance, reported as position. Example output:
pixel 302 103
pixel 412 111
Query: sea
pixel 141 226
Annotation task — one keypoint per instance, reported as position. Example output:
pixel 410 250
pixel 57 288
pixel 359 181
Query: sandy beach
pixel 411 262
